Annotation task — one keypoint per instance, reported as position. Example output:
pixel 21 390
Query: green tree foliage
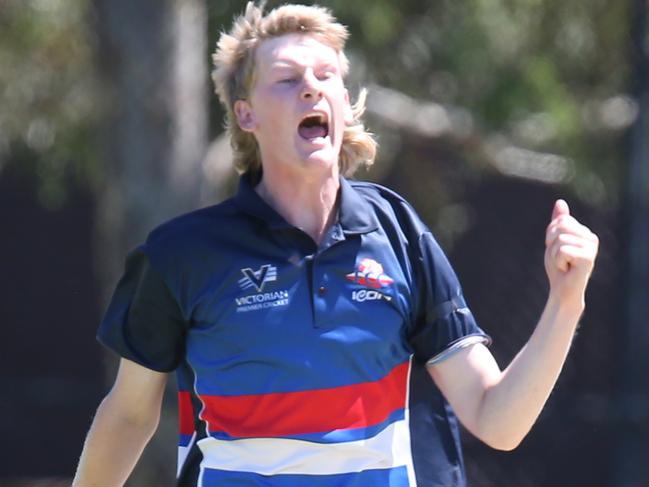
pixel 49 101
pixel 550 76
pixel 547 75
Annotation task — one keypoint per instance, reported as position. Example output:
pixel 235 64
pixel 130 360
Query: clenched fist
pixel 570 251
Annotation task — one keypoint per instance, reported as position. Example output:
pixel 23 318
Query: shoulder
pixel 376 192
pixel 189 225
pixel 389 204
pixel 190 237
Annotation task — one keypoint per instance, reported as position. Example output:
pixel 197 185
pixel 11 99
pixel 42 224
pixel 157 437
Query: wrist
pixel 572 305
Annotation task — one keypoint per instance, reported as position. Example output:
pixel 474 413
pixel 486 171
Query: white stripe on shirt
pixel 271 456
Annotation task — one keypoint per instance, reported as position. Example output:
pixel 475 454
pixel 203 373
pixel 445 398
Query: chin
pixel 323 159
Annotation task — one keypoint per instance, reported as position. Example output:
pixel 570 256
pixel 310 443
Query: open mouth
pixel 313 126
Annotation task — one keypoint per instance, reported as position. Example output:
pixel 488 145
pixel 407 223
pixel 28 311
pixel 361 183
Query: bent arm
pixel 500 407
pixel 125 421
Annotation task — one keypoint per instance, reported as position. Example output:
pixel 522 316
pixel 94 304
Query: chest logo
pixel 257 279
pixel 254 282
pixel 370 273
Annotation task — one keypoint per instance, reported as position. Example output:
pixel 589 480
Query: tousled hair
pixel 234 71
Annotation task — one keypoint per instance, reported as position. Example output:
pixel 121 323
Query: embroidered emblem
pixel 254 281
pixel 266 273
pixel 370 273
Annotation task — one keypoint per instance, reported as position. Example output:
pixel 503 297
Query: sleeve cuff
pixel 458 345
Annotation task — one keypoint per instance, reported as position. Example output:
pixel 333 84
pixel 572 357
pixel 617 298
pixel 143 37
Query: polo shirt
pixel 299 364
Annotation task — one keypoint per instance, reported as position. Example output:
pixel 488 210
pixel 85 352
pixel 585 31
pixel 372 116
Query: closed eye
pixel 326 74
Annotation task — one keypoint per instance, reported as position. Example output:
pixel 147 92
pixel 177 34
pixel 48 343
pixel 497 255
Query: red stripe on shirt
pixel 303 412
pixel 185 413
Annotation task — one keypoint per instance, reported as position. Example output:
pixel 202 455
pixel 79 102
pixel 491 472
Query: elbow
pixel 128 416
pixel 503 444
pixel 504 432
pixel 501 440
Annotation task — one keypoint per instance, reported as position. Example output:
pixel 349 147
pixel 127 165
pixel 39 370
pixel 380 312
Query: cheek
pixel 341 120
pixel 341 109
pixel 275 113
pixel 275 127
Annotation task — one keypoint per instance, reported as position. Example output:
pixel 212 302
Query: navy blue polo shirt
pixel 299 364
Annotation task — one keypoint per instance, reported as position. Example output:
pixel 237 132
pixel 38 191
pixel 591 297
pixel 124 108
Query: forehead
pixel 300 49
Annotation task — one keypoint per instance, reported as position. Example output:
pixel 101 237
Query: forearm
pixel 511 405
pixel 113 446
pixel 501 407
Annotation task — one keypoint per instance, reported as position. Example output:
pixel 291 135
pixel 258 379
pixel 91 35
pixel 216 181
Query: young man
pixel 318 332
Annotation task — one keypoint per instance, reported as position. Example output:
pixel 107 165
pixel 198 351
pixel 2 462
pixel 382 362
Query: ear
pixel 245 115
pixel 349 116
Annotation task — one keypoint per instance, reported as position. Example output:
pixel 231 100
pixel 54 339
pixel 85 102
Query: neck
pixel 307 203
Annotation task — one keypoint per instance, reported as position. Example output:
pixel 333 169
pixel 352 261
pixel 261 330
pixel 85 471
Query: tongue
pixel 312 131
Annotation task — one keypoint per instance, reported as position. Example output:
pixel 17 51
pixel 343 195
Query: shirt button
pixel 322 290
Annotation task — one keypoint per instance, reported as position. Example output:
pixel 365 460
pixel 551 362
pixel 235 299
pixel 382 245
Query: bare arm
pixel 500 407
pixel 125 421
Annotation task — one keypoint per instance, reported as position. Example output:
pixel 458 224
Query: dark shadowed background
pixel 485 112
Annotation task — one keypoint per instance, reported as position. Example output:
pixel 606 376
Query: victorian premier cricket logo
pixel 257 279
pixel 370 273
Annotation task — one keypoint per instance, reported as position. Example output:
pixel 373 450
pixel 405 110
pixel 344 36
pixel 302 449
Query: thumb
pixel 560 208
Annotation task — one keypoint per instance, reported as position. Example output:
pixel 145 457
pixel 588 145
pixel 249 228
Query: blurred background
pixel 486 111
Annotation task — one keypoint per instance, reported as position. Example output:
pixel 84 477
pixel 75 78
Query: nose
pixel 310 86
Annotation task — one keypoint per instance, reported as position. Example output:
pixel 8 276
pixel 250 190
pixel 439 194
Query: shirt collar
pixel 355 214
pixel 250 202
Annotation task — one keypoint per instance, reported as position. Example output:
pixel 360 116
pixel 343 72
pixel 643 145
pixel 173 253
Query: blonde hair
pixel 234 70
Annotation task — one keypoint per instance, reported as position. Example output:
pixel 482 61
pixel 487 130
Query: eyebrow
pixel 291 64
pixel 282 64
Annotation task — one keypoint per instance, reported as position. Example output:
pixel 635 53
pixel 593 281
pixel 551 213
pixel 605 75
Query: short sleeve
pixel 443 320
pixel 143 322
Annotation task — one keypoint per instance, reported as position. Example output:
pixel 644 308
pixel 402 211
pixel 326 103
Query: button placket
pixel 320 294
pixel 322 298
